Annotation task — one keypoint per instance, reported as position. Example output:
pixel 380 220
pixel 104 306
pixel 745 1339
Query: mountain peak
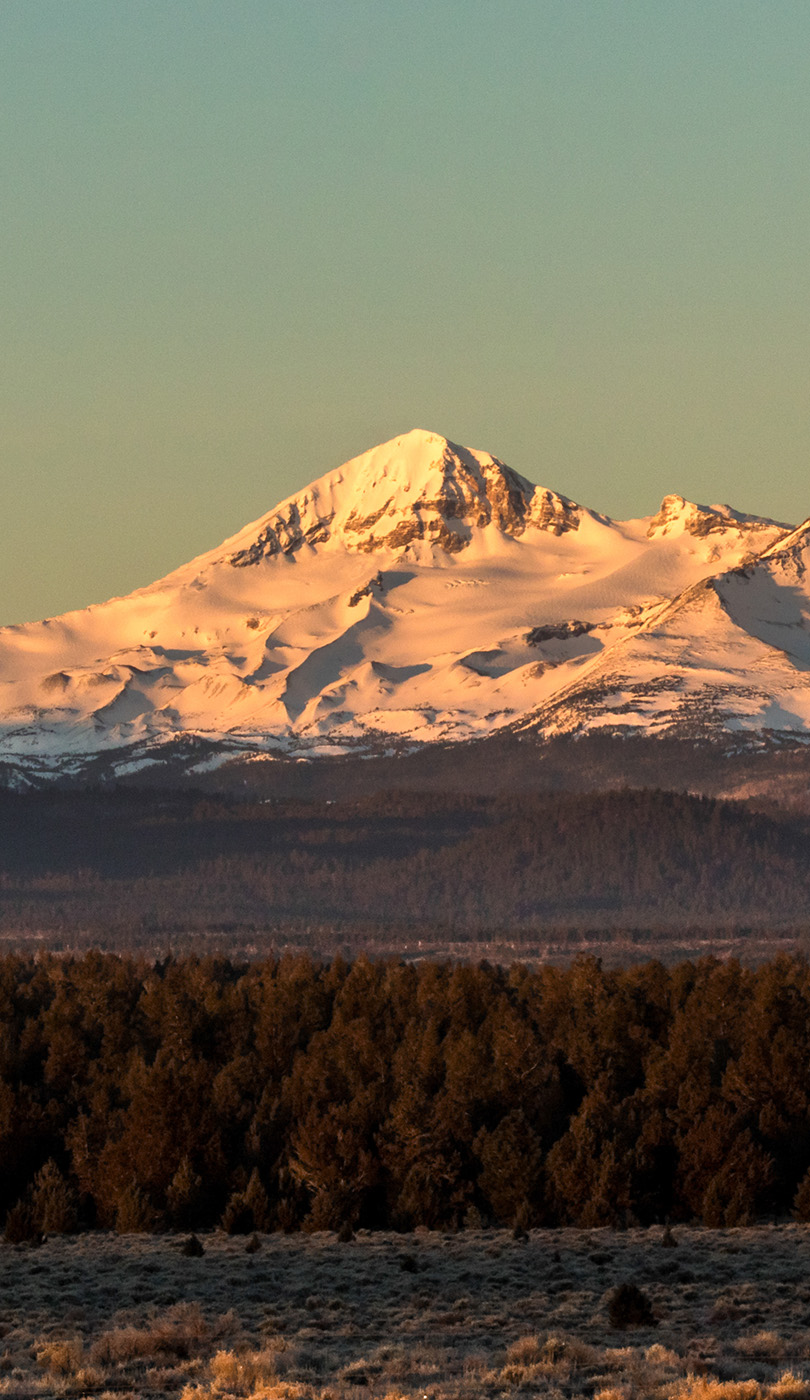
pixel 677 515
pixel 416 489
pixel 421 592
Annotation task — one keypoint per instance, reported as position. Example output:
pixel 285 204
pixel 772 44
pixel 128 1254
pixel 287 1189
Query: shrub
pixel 525 1351
pixel 60 1358
pixel 706 1388
pixel 629 1307
pixel 179 1332
pixel 762 1346
pixel 242 1374
pixel 789 1387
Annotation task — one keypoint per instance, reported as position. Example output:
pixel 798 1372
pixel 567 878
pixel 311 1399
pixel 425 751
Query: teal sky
pixel 244 240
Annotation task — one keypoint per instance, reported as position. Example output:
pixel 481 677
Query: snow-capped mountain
pixel 420 592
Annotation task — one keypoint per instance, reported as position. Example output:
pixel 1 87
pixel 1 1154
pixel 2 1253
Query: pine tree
pixel 185 1196
pixel 54 1202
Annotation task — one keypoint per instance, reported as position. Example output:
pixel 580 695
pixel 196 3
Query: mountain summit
pixel 422 591
pixel 418 487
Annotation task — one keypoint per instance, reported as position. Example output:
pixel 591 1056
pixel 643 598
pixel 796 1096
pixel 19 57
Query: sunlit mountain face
pixel 424 592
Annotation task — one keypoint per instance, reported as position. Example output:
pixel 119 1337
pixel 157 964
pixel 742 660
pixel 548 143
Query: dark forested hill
pixel 125 867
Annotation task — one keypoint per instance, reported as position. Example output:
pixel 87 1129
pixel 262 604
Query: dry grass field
pixel 421 1316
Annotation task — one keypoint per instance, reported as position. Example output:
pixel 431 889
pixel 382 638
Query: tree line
pixel 296 1094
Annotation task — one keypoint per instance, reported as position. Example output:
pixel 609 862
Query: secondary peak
pixel 677 515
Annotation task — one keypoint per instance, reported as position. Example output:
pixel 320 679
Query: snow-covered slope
pixel 422 591
pixel 731 654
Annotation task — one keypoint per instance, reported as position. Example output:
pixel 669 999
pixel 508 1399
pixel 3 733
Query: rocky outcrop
pixel 284 534
pixel 677 513
pixel 453 494
pixel 558 632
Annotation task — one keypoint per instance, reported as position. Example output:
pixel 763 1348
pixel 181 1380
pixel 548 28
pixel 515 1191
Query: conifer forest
pixel 294 1094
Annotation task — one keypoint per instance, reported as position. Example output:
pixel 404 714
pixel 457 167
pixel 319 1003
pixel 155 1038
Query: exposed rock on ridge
pixel 676 513
pixel 436 492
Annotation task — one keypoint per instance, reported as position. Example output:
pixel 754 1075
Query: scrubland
pixel 422 1316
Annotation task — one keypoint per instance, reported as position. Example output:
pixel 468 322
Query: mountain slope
pixel 730 654
pixel 422 591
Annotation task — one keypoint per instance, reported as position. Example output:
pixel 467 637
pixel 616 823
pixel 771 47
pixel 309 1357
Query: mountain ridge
pixel 424 592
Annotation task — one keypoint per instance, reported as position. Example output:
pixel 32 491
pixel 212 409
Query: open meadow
pixel 425 1314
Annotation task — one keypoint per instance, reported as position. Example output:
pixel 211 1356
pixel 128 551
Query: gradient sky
pixel 244 240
